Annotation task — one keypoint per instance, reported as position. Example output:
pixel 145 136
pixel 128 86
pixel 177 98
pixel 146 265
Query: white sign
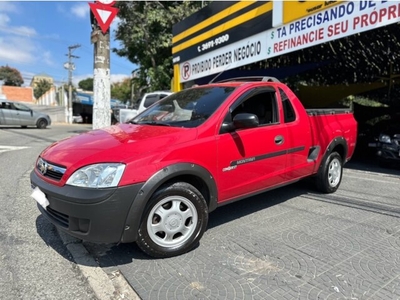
pixel 334 23
pixel 238 54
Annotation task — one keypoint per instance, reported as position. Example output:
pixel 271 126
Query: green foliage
pixel 86 84
pixel 10 76
pixel 121 90
pixel 41 88
pixel 145 33
pixel 363 101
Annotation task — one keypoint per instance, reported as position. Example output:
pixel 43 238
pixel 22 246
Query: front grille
pixel 60 218
pixel 53 175
pixel 50 170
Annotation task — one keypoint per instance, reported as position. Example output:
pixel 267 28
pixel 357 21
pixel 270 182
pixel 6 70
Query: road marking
pixel 10 148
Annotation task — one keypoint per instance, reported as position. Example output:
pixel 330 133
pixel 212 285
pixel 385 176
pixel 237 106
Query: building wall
pixel 37 78
pixel 48 98
pixel 16 93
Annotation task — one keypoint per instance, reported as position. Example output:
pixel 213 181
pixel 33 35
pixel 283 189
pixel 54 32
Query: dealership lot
pixel 291 243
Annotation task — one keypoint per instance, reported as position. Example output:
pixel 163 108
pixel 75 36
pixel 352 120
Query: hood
pixel 115 144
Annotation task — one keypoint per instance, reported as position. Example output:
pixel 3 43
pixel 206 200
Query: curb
pixel 111 286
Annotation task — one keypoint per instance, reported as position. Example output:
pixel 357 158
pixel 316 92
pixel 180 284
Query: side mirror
pixel 245 120
pixel 227 127
pixel 240 121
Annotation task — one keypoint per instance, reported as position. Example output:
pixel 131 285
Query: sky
pixel 35 36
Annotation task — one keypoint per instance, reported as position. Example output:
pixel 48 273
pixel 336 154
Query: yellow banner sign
pixel 293 10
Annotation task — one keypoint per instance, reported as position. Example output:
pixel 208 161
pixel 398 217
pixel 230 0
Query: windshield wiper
pixel 153 123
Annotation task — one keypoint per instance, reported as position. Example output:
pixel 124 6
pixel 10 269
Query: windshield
pixel 188 108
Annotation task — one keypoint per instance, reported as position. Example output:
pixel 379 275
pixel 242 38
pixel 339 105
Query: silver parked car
pixel 16 113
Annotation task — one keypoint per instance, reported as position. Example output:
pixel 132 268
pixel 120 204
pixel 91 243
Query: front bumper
pixel 95 215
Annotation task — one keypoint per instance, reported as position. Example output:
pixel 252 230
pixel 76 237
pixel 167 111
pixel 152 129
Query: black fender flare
pixel 134 216
pixel 338 141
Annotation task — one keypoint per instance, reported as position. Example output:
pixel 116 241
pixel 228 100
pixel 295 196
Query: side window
pixel 150 99
pixel 288 110
pixel 19 106
pixel 262 104
pixel 6 105
pixel 163 96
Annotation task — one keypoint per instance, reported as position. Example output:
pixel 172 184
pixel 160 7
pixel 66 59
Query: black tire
pixel 41 124
pixel 174 221
pixel 330 173
pixel 24 126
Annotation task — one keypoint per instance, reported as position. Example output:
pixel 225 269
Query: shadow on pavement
pixel 21 128
pixel 122 254
pixel 250 205
pixel 51 237
pixel 372 166
pixel 111 255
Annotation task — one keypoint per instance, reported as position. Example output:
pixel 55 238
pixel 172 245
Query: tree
pixel 121 90
pixel 41 88
pixel 10 76
pixel 86 84
pixel 145 32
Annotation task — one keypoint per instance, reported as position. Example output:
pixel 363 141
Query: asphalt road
pixel 34 263
pixel 291 243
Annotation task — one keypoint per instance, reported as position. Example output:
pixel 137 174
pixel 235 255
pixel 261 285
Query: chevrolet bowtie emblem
pixel 42 167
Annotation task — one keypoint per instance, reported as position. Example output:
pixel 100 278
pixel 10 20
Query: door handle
pixel 279 140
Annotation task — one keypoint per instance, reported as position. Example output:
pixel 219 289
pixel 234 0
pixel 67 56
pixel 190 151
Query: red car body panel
pixel 124 143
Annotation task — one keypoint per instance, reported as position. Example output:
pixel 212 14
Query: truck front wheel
pixel 330 173
pixel 174 221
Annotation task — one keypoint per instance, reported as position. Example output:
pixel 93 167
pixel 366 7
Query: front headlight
pixel 383 138
pixel 98 175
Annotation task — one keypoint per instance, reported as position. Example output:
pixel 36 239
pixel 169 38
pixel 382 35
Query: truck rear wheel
pixel 174 221
pixel 330 173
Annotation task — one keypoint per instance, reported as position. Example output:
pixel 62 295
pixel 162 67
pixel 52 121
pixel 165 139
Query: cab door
pixel 252 159
pixel 24 114
pixel 300 162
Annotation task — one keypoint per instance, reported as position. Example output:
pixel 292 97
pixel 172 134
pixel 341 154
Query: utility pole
pixel 102 13
pixel 70 66
pixel 101 79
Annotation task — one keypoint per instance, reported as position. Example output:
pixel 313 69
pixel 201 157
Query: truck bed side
pixel 328 125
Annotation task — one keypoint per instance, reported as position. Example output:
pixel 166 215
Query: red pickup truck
pixel 155 179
